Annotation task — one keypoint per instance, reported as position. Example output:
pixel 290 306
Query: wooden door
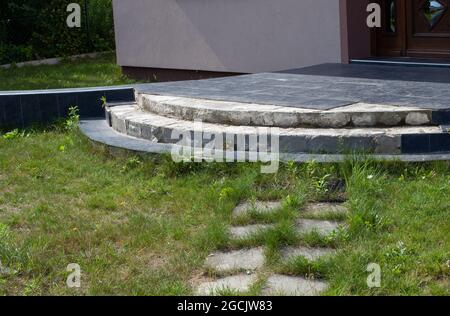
pixel 415 28
pixel 428 28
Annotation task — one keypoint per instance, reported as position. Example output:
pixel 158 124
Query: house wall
pixel 227 35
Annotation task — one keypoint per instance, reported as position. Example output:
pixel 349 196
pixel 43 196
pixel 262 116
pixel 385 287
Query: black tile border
pixel 440 117
pixel 21 109
pixel 423 144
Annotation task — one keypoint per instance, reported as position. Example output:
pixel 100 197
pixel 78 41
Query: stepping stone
pixel 311 254
pixel 325 208
pixel 236 283
pixel 293 286
pixel 238 232
pixel 323 228
pixel 262 207
pixel 244 259
pixel 6 271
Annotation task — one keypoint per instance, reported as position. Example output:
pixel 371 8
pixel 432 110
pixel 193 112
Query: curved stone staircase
pixel 155 123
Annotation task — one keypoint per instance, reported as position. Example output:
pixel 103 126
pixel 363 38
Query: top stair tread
pixel 239 113
pixel 132 113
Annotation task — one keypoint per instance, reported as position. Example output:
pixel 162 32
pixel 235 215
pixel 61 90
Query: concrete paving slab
pixel 237 283
pixel 263 207
pixel 244 259
pixel 242 232
pixel 323 208
pixel 293 286
pixel 311 254
pixel 323 228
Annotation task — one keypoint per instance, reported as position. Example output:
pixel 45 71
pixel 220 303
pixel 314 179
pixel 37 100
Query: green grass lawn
pixel 144 225
pixel 85 72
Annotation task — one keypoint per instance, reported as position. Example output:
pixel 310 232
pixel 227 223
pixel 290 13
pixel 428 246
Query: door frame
pixel 356 38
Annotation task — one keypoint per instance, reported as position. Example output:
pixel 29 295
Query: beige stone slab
pixel 323 208
pixel 311 254
pixel 238 232
pixel 293 286
pixel 323 228
pixel 244 259
pixel 237 283
pixel 263 207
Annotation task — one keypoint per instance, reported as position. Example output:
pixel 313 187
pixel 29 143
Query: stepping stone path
pixel 252 260
pixel 236 283
pixel 262 207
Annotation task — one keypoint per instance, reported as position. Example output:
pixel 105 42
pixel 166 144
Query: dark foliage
pixel 34 29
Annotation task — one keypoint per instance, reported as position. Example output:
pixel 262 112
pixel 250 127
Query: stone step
pixel 99 132
pixel 250 114
pixel 130 120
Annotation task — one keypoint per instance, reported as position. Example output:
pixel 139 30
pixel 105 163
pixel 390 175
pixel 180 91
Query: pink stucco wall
pixel 227 35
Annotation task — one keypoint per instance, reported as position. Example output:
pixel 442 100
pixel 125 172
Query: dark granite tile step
pixel 441 117
pixel 99 131
pixel 417 144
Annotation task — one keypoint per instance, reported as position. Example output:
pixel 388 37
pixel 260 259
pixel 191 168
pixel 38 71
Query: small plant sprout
pixel 73 118
pixel 131 163
pixel 104 101
pixel 12 134
pixel 225 193
pixel 15 134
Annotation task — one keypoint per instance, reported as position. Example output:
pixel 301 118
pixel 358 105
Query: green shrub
pixel 35 29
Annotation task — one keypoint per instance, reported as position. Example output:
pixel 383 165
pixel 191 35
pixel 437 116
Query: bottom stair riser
pixel 286 144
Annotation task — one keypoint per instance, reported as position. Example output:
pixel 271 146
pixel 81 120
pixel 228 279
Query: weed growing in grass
pixel 397 256
pixel 292 201
pixel 317 269
pixel 226 193
pixel 73 119
pixel 131 164
pixel 15 134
